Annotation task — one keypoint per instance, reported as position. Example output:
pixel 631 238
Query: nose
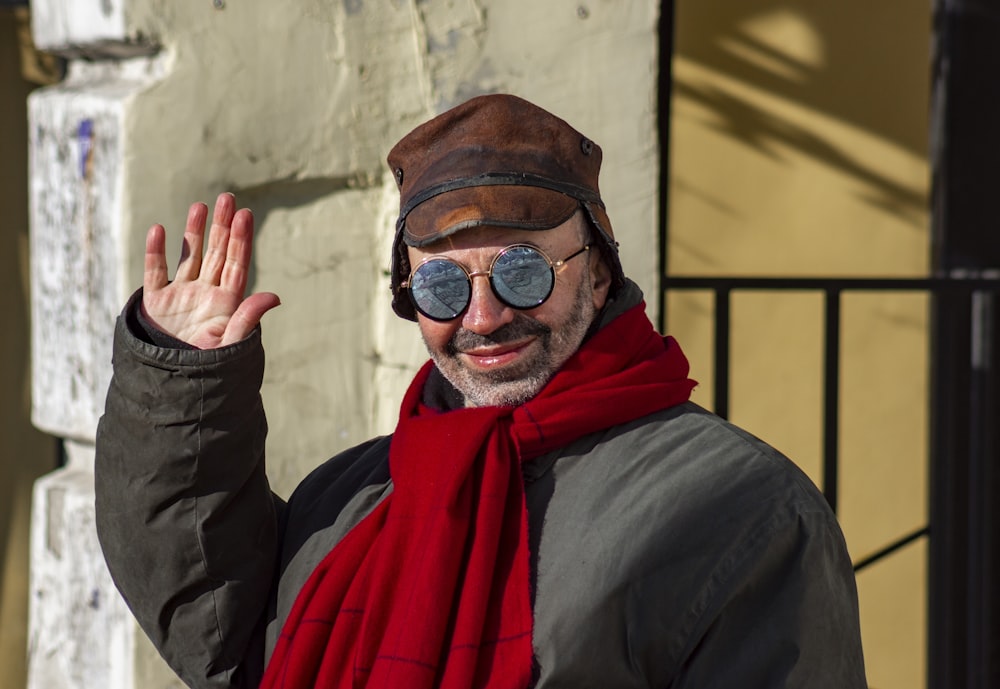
pixel 486 313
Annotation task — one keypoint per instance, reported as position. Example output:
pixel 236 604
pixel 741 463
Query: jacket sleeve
pixel 185 516
pixel 781 612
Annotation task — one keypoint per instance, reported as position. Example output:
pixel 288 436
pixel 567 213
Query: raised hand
pixel 204 305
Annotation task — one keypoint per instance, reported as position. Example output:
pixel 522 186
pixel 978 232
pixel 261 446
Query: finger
pixel 154 274
pixel 191 247
pixel 237 266
pixel 218 238
pixel 248 315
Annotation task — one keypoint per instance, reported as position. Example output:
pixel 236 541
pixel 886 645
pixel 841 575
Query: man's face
pixel 498 355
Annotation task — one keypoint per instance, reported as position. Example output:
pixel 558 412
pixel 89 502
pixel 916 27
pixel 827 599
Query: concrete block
pixel 76 158
pixel 90 28
pixel 80 632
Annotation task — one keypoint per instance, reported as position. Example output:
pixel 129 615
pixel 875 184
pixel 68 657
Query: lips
pixel 496 356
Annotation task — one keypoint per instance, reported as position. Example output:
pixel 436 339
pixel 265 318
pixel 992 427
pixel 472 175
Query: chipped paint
pixel 85 144
pixel 74 179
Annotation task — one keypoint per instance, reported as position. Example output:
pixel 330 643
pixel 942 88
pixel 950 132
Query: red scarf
pixel 431 590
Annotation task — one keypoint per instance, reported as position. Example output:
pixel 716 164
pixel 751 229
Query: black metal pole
pixel 665 88
pixel 963 614
pixel 983 615
pixel 831 397
pixel 723 339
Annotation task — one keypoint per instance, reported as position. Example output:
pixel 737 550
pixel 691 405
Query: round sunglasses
pixel 521 276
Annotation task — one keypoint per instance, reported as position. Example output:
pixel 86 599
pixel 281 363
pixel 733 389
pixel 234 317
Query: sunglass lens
pixel 440 289
pixel 522 277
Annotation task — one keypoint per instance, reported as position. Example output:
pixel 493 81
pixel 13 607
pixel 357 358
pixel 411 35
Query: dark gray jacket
pixel 674 551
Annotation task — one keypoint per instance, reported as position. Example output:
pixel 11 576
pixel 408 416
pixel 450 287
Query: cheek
pixel 436 335
pixel 564 296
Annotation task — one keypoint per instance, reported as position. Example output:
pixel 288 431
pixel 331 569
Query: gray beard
pixel 517 384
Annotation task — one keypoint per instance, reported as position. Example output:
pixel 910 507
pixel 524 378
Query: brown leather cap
pixel 497 161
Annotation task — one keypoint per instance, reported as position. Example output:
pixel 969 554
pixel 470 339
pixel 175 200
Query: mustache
pixel 522 326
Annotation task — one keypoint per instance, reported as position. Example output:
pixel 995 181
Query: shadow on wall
pixel 288 193
pixel 815 54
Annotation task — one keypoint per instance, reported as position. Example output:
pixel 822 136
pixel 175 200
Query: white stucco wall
pixel 292 105
pixel 77 152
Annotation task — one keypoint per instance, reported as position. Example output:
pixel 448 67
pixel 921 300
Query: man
pixel 551 510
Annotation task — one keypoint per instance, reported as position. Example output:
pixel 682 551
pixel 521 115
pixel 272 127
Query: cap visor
pixel 515 206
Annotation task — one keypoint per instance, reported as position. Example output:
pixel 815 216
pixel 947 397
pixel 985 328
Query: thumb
pixel 247 316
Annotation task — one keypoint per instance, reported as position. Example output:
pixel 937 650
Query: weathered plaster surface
pixel 317 383
pixel 76 159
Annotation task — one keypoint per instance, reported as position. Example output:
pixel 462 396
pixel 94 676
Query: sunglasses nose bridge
pixel 485 311
pixel 485 289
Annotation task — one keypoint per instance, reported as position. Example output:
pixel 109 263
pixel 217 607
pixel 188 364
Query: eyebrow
pixel 451 246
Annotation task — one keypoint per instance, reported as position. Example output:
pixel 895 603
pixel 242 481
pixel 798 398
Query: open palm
pixel 204 304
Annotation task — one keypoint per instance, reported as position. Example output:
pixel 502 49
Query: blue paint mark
pixel 85 140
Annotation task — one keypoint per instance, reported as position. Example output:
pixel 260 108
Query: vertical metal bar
pixel 964 562
pixel 964 628
pixel 974 476
pixel 722 342
pixel 981 665
pixel 949 451
pixel 831 396
pixel 989 636
pixel 665 89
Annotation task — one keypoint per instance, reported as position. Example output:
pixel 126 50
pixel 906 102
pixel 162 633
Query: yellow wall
pixel 799 147
pixel 25 454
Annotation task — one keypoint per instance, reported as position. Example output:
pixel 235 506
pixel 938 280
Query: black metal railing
pixel 963 287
